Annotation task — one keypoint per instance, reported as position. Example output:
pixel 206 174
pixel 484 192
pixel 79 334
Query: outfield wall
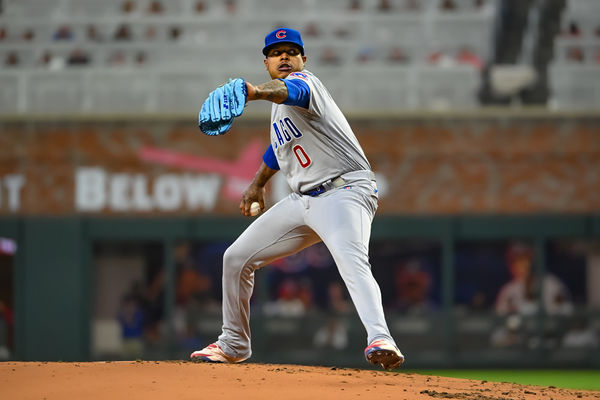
pixel 432 165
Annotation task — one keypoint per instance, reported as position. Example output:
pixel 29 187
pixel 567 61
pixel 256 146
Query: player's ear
pixel 266 64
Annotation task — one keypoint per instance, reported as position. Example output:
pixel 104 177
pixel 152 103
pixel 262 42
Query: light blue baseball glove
pixel 222 106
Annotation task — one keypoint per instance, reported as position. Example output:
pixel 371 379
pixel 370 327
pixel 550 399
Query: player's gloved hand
pixel 222 106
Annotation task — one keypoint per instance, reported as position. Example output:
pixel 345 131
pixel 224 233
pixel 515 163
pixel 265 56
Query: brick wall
pixel 438 166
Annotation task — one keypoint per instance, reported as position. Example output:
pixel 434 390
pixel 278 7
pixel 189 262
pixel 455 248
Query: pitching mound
pixel 184 380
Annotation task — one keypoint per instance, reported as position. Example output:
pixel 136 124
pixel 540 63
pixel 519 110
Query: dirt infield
pixel 150 380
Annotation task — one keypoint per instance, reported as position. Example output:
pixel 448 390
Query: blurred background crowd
pixel 435 54
pixel 496 287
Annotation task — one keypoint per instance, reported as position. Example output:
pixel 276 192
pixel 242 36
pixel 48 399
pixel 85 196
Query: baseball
pixel 254 208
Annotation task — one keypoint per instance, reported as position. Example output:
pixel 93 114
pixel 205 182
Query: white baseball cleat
pixel 213 353
pixel 381 352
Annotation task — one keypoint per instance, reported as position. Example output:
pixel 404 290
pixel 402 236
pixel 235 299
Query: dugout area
pixel 54 289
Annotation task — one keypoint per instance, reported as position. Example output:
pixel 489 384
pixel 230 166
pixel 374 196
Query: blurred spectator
pixel 28 35
pixel 448 5
pixel 597 31
pixel 231 6
pixel 572 30
pixel 116 58
pixel 156 7
pixel 150 33
pixel 63 33
pixel 123 32
pixel 580 335
pixel 200 7
pixel 597 56
pixel 12 59
pixel 46 58
pixel 330 57
pixel 412 5
pixel 575 54
pixel 92 34
pixel 132 320
pixel 174 33
pixel 384 5
pixel 3 34
pixel 189 280
pixel 341 32
pixel 354 5
pixel 413 288
pixel 521 294
pixel 510 334
pixel 397 56
pixel 78 57
pixel 440 58
pixel 141 58
pixel 190 283
pixel 478 4
pixel 365 55
pixel 467 56
pixel 529 304
pixel 128 7
pixel 311 30
pixel 52 62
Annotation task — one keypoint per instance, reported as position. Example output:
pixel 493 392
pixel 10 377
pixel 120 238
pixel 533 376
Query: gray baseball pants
pixel 341 218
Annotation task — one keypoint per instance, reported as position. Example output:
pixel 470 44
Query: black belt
pixel 325 186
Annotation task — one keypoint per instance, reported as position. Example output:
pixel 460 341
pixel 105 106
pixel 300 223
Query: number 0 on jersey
pixel 301 155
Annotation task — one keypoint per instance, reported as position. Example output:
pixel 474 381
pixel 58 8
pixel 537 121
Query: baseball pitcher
pixel 334 197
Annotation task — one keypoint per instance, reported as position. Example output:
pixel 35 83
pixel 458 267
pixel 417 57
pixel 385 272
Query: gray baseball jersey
pixel 315 144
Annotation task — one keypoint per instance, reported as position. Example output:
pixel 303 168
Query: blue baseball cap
pixel 283 35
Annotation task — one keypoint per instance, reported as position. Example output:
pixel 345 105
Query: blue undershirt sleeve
pixel 270 159
pixel 298 93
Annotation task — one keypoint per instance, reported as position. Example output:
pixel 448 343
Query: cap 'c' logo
pixel 280 34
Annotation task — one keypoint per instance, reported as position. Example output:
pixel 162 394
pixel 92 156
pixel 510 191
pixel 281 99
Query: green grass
pixel 568 379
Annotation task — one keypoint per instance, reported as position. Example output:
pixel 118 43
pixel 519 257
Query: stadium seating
pixel 135 56
pixel 575 70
